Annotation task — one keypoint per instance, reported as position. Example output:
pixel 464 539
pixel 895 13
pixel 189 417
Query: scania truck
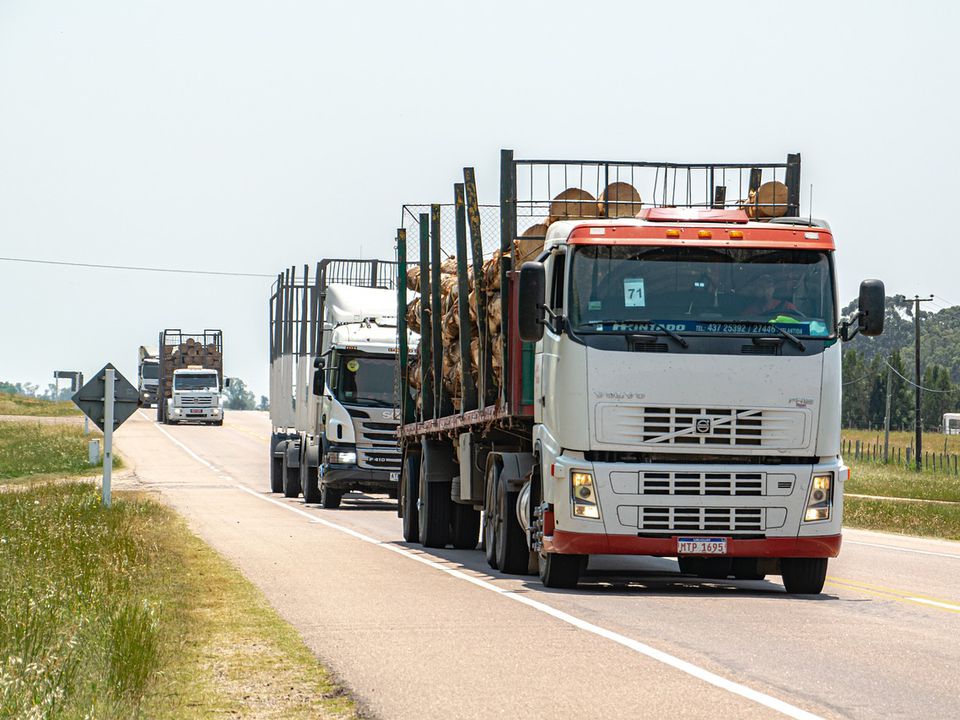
pixel 190 377
pixel 671 376
pixel 332 356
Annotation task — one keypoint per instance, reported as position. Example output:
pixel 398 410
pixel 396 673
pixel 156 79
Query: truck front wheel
pixel 311 484
pixel 560 571
pixel 803 576
pixel 330 498
pixel 511 541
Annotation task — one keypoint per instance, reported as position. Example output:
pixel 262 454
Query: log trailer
pixel 670 378
pixel 332 355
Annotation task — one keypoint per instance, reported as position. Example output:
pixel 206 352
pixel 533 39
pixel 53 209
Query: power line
pixel 910 382
pixel 136 267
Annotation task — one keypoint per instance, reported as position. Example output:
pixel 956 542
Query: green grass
pixel 123 613
pixel 868 478
pixel 932 442
pixel 925 519
pixel 22 405
pixel 32 448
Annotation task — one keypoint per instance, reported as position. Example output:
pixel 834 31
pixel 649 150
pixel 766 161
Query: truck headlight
pixel 176 411
pixel 820 499
pixel 584 495
pixel 341 458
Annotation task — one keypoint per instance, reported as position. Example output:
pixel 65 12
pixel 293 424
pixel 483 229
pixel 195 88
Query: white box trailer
pixel 332 357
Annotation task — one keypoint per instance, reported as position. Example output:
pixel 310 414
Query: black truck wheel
pixel 276 466
pixel 464 527
pixel 291 479
pixel 330 498
pixel 560 571
pixel 512 553
pixel 490 514
pixel 434 506
pixel 803 576
pixel 410 492
pixel 311 483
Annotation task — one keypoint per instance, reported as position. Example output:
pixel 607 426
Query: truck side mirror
pixel 318 381
pixel 532 293
pixel 871 307
pixel 226 382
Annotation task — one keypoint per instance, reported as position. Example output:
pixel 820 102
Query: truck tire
pixel 746 569
pixel 464 527
pixel 291 479
pixel 410 479
pixel 511 541
pixel 311 484
pixel 803 576
pixel 330 497
pixel 560 571
pixel 276 474
pixel 489 514
pixel 434 506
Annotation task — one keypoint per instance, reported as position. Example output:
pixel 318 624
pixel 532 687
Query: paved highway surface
pixel 436 634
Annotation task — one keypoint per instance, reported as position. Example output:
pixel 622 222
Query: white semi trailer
pixel 670 380
pixel 332 357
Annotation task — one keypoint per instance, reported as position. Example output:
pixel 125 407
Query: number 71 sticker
pixel 633 294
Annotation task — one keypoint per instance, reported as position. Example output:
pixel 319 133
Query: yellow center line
pixel 904 596
pixel 248 433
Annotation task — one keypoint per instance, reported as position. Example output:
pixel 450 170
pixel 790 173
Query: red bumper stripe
pixel 597 544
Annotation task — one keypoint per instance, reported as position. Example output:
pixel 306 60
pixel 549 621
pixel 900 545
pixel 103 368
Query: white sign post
pixel 109 381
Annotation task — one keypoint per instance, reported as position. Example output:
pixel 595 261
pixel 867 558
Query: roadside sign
pixel 90 398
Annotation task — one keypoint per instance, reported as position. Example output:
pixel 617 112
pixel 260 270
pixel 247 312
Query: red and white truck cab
pixel 687 392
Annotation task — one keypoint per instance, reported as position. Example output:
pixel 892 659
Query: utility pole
pixel 917 378
pixel 886 419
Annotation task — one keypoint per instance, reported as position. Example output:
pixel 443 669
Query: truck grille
pixel 378 459
pixel 701 483
pixel 196 401
pixel 703 427
pixel 701 519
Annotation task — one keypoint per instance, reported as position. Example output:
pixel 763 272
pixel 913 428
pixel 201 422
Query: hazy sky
pixel 248 136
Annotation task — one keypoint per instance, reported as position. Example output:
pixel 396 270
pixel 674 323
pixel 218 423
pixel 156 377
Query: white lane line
pixel 945 606
pixel 639 647
pixel 901 549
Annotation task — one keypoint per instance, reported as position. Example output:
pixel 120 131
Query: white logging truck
pixel 659 376
pixel 332 356
pixel 190 377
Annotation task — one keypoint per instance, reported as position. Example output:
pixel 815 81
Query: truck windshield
pixel 622 288
pixel 195 382
pixel 365 381
pixel 150 371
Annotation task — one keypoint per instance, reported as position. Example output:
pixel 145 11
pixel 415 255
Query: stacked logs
pixel 618 200
pixel 193 352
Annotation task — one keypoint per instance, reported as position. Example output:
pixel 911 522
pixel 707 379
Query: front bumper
pixel 351 477
pixel 574 543
pixel 197 414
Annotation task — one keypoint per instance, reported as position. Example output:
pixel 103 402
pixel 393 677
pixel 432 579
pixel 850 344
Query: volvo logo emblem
pixel 703 426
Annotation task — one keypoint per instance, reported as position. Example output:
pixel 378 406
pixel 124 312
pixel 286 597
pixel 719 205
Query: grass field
pixel 932 442
pixel 22 405
pixel 29 448
pixel 123 613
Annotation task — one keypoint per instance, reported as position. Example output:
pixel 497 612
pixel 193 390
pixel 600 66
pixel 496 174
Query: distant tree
pixel 264 403
pixel 238 397
pixel 30 389
pixel 12 388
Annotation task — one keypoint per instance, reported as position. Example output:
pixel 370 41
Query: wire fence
pixel 941 463
pixel 489 230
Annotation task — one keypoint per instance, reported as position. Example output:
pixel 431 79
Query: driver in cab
pixel 765 303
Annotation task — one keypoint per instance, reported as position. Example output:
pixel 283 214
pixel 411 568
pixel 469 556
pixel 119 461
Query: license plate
pixel 395 477
pixel 702 546
pixel 196 412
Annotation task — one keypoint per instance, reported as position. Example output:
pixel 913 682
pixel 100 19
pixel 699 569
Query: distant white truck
pixel 190 377
pixel 951 423
pixel 332 357
pixel 148 370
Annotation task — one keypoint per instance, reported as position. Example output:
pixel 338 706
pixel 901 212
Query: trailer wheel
pixel 291 479
pixel 511 541
pixel 434 507
pixel 330 498
pixel 803 576
pixel 464 527
pixel 560 571
pixel 489 514
pixel 410 482
pixel 276 466
pixel 311 484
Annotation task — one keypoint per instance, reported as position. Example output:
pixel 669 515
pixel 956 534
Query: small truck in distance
pixel 190 378
pixel 148 370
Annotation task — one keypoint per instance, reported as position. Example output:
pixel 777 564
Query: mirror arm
pixel 554 320
pixel 847 323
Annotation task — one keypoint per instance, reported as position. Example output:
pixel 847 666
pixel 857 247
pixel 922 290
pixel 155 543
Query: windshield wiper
pixel 788 335
pixel 673 335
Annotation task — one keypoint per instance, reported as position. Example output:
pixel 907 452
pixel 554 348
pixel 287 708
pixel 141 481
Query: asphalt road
pixel 435 634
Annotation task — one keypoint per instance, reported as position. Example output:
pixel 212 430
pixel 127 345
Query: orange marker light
pixel 673 233
pixel 736 234
pixel 704 234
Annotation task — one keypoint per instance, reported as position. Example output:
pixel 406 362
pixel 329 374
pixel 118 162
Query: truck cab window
pixel 557 282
